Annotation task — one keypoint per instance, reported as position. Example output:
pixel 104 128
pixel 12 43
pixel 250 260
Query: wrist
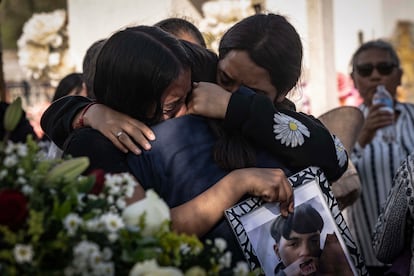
pixel 81 119
pixel 224 105
pixel 240 182
pixel 237 110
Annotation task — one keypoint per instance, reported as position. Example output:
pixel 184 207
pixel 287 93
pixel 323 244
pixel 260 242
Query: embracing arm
pixel 198 215
pixel 300 139
pixel 56 121
pixel 59 120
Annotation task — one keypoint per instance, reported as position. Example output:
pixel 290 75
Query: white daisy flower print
pixel 289 131
pixel 340 151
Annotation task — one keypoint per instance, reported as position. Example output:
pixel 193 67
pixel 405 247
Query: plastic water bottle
pixel 384 97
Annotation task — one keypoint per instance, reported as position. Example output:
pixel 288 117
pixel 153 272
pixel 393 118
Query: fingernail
pixel 147 146
pixel 137 151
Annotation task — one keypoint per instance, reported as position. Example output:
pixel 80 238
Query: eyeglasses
pixel 384 68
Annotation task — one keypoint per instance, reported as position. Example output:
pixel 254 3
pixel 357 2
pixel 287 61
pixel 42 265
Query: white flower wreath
pixel 43 47
pixel 220 15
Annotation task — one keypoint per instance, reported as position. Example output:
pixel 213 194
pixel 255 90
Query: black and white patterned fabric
pixel 394 228
pixel 377 164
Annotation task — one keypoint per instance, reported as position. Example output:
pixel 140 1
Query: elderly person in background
pixel 376 63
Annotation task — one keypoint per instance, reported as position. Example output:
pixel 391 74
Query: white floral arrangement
pixel 43 51
pixel 55 221
pixel 220 15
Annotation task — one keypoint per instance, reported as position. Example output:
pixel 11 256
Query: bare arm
pixel 200 214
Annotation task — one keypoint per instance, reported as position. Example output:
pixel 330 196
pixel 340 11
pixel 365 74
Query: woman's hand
pixel 200 214
pixel 121 129
pixel 271 185
pixel 209 100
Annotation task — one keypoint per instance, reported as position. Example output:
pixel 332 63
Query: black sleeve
pixel 56 121
pixel 101 152
pixel 299 139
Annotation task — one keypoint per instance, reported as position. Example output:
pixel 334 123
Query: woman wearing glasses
pixel 374 63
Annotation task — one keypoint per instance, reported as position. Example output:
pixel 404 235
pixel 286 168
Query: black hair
pixel 134 68
pixel 272 43
pixel 231 150
pixel 178 26
pixel 305 219
pixel 70 82
pixel 203 62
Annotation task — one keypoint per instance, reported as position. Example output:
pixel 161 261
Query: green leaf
pixel 67 170
pixel 63 209
pixel 85 185
pixel 6 255
pixel 36 220
pixel 8 236
pixel 13 115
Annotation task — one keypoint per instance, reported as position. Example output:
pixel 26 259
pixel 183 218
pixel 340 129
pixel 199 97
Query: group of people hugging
pixel 205 131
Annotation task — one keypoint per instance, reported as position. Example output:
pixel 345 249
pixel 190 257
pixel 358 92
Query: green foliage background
pixel 14 13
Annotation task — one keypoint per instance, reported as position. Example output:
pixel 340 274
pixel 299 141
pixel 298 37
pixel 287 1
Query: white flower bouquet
pixel 43 47
pixel 55 221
